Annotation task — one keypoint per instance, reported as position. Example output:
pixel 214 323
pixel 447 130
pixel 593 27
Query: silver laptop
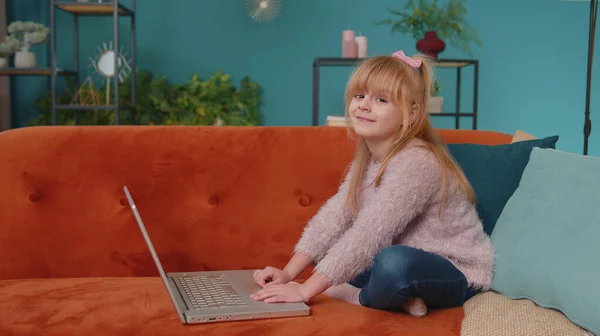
pixel 216 296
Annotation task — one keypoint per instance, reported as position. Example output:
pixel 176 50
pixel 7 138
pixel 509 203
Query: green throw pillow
pixel 495 172
pixel 546 239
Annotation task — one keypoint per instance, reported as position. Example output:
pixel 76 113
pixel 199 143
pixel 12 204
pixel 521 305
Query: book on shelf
pixel 336 120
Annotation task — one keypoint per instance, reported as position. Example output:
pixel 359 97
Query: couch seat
pixel 140 305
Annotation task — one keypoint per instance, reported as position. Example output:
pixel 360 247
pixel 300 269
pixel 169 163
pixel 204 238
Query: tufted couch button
pixel 213 200
pixel 304 201
pixel 124 201
pixel 34 196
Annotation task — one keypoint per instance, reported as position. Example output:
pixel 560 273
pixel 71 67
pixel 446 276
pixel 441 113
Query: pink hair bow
pixel 412 62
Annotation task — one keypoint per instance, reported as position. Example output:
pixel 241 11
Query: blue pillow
pixel 495 172
pixel 546 239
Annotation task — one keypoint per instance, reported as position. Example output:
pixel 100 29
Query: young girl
pixel 402 231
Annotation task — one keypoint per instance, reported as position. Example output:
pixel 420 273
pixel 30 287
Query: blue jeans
pixel 400 272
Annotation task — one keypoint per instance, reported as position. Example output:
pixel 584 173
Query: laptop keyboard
pixel 211 291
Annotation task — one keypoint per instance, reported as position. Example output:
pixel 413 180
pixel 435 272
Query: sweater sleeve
pixel 327 224
pixel 408 186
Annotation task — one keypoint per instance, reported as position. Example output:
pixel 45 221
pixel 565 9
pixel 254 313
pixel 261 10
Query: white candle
pixel 361 41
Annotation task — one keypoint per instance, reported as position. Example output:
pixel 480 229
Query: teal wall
pixel 532 67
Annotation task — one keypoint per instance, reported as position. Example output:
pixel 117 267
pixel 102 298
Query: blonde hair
pixel 409 89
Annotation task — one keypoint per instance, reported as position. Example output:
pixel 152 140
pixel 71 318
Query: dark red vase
pixel 431 45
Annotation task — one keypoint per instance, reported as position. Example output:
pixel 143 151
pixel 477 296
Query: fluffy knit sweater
pixel 403 209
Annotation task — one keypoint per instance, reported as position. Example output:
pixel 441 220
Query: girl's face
pixel 374 116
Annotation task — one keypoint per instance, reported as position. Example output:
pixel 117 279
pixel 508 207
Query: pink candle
pixel 347 35
pixel 349 46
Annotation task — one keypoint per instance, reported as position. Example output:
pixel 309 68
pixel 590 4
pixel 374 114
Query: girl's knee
pixel 395 260
pixel 408 263
pixel 396 251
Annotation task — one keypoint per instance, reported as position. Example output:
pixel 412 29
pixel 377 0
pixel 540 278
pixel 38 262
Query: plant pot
pixel 431 45
pixel 24 59
pixel 3 62
pixel 219 122
pixel 436 104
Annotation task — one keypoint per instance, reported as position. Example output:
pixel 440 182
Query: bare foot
pixel 344 292
pixel 415 307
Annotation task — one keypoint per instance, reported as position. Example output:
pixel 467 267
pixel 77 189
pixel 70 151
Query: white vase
pixel 3 62
pixel 436 104
pixel 24 59
pixel 219 122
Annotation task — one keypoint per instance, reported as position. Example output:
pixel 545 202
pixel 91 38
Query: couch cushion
pixel 521 136
pixel 546 239
pixel 64 213
pixel 141 306
pixel 492 314
pixel 494 172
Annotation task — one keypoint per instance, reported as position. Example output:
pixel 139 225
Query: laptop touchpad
pixel 252 287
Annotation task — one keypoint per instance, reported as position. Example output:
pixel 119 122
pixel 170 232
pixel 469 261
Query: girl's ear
pixel 413 114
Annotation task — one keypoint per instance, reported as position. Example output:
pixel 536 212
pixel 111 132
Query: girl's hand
pixel 289 292
pixel 271 276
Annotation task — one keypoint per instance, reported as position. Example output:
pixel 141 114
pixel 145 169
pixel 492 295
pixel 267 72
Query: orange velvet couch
pixel 74 261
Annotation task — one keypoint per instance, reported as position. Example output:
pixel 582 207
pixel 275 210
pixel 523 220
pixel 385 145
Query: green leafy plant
pixel 211 101
pixel 449 22
pixel 435 90
pixel 195 102
pixel 28 33
pixel 9 46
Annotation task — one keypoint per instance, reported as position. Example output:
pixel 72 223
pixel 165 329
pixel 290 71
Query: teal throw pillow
pixel 494 172
pixel 546 239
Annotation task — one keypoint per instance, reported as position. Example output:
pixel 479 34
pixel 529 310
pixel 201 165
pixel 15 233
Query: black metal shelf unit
pixel 109 9
pixel 587 124
pixel 34 72
pixel 457 64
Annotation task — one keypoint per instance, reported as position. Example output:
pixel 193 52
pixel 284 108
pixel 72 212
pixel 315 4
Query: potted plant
pixel 7 48
pixel 27 33
pixel 213 101
pixel 433 25
pixel 436 102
